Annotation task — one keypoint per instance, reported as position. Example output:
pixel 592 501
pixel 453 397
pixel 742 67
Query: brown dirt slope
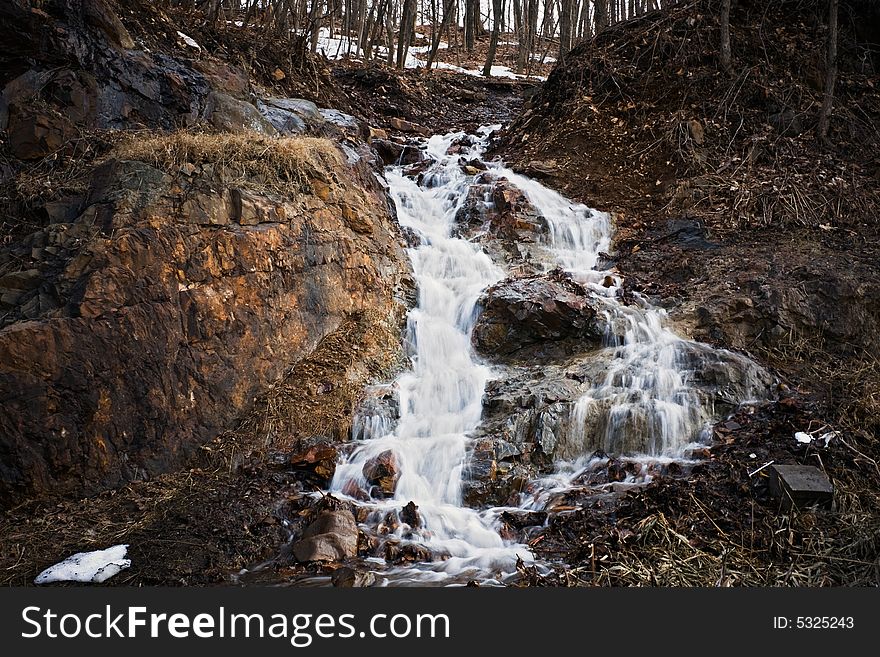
pixel 727 207
pixel 732 215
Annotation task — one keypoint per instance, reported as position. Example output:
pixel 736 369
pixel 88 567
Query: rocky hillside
pixel 154 282
pixel 728 209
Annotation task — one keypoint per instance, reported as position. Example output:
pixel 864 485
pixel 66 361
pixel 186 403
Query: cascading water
pixel 646 405
pixel 440 397
pixel 643 405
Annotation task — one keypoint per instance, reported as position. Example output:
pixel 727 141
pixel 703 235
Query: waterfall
pixel 440 396
pixel 643 405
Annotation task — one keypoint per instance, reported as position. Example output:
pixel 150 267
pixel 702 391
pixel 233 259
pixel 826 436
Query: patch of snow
pixel 94 567
pixel 337 47
pixel 188 40
pixel 802 437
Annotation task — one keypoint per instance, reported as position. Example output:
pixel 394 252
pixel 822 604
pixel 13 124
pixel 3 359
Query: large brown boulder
pixel 331 537
pixel 383 472
pixel 177 291
pixel 514 216
pixel 522 312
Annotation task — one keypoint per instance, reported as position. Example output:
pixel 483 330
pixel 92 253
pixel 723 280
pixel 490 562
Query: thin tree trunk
pixel 600 16
pixel 566 9
pixel 830 73
pixel 726 62
pixel 407 24
pixel 498 19
pixel 448 11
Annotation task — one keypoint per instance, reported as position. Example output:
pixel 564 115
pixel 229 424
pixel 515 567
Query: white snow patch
pixel 188 40
pixel 802 437
pixel 338 47
pixel 94 567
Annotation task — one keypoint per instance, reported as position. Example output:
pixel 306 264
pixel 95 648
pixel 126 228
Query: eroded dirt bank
pixel 754 236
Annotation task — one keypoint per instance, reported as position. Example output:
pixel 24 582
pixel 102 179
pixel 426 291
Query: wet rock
pixel 234 115
pixel 519 313
pixel 389 151
pixel 515 217
pixel 410 515
pixel 473 212
pixel 382 471
pixel 408 126
pixel 353 490
pixel 317 456
pixel 346 577
pixel 331 537
pixel 346 122
pixel 522 519
pixel 305 109
pixel 393 551
pixel 389 524
pixel 411 155
pixel 284 121
pixel 376 413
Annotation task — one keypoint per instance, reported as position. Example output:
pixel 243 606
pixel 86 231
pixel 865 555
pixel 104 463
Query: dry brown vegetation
pixel 245 158
pixel 646 111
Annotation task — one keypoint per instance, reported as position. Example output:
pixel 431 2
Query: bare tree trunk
pixel 448 11
pixel 471 19
pixel 830 73
pixel 314 26
pixel 600 16
pixel 547 20
pixel 389 32
pixel 726 62
pixel 566 9
pixel 407 27
pixel 498 20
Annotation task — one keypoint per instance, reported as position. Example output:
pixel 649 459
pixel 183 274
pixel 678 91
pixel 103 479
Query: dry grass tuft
pixel 247 158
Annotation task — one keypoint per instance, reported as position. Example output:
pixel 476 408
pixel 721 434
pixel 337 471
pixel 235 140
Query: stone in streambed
pixel 410 515
pixel 317 456
pixel 382 471
pixel 521 312
pixel 331 537
pixel 346 577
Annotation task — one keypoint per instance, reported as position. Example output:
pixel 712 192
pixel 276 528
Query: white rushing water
pixel 643 405
pixel 440 397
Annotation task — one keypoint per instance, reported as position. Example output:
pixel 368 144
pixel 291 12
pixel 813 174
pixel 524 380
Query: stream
pixel 644 406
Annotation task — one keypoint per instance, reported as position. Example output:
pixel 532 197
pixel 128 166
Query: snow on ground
pixel 337 47
pixel 94 567
pixel 188 40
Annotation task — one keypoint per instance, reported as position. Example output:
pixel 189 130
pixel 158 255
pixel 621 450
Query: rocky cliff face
pixel 149 293
pixel 150 319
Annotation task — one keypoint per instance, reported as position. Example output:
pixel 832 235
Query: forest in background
pixel 372 29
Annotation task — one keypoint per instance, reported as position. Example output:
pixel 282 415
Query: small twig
pixel 761 468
